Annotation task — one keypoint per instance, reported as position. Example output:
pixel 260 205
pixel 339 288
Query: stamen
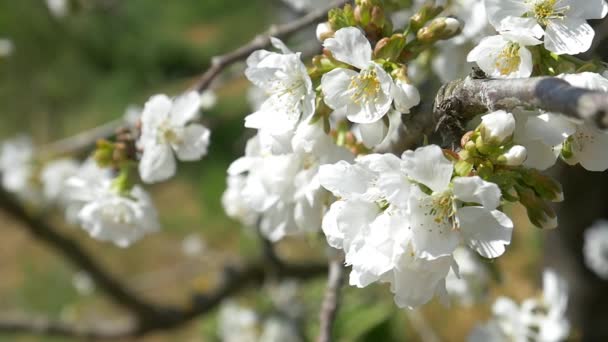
pixel 508 59
pixel 365 86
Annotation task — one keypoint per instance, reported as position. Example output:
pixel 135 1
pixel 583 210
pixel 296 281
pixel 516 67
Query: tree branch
pixel 76 255
pixel 149 317
pixel 331 301
pixel 459 101
pixel 219 63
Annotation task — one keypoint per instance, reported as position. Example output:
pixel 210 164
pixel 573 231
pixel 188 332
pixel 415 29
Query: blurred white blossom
pixel 167 130
pixel 595 248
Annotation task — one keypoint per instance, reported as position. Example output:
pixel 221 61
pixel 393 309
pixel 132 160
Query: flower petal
pixel 349 45
pixel 193 144
pixel 485 231
pixel 335 86
pixel 157 163
pixel 568 35
pixel 428 166
pixel 476 190
pixel 185 108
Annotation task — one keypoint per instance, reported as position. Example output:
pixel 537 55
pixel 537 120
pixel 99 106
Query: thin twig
pixel 331 301
pixel 219 63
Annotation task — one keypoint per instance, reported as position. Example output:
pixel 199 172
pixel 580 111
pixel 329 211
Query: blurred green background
pixel 72 73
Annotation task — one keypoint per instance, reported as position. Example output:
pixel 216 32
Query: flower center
pixel 365 86
pixel 544 10
pixel 442 207
pixel 119 214
pixel 579 140
pixel 168 134
pixel 508 59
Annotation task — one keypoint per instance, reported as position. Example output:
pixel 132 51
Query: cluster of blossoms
pixel 349 102
pixel 533 34
pixel 398 220
pixel 540 318
pixel 101 194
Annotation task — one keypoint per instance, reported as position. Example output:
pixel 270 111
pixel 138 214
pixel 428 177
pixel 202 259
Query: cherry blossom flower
pixel 547 135
pixel 563 21
pixel 596 247
pixel 365 95
pixel 166 131
pixel 16 167
pixel 277 179
pixel 285 78
pixel 505 55
pixel 54 175
pixel 537 319
pixel 121 219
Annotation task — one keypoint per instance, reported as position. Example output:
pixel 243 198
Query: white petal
pixel 277 43
pixel 569 35
pixel 431 239
pixel 590 9
pixel 373 133
pixel 476 190
pixel 156 110
pixel 157 163
pixel 485 231
pixel 590 148
pixel 405 96
pixel 334 85
pixel 185 108
pixel 551 129
pixel 349 45
pixel 428 166
pixel 540 155
pixel 345 180
pixel 497 10
pixel 193 143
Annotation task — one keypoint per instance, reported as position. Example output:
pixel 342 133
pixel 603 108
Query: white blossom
pixel 563 21
pixel 17 168
pixel 539 319
pixel 285 79
pixel 595 248
pixel 545 135
pixel 110 216
pixel 83 283
pixel 506 55
pixel 393 231
pixel 120 219
pixel 6 47
pixel 277 181
pixel 193 245
pixel 277 329
pixel 166 130
pixel 77 188
pixel 58 8
pixel 237 323
pixel 365 95
pixel 54 176
pixel 208 99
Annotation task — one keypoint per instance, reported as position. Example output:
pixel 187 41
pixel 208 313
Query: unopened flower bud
pixel 438 29
pixel 324 31
pixel 497 127
pixel 390 48
pixel 516 155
